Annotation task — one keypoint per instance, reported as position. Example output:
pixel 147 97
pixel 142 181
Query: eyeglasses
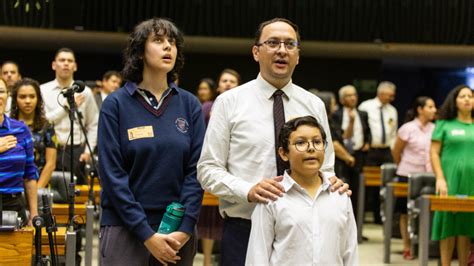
pixel 303 145
pixel 271 44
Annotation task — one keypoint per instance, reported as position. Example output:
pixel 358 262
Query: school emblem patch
pixel 182 125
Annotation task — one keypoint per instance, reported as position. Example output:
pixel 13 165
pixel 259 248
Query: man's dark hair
pixel 262 25
pixel 111 73
pixel 13 63
pixel 449 110
pixel 64 50
pixel 293 125
pixel 134 53
pixel 40 119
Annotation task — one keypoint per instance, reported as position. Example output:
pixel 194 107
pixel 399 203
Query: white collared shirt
pixel 239 147
pixel 300 230
pixel 8 106
pixel 59 116
pixel 103 95
pixel 358 132
pixel 390 116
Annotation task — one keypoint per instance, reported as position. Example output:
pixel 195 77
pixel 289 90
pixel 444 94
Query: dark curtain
pixel 402 21
pixel 26 13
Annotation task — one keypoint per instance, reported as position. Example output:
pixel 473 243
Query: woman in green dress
pixel 453 163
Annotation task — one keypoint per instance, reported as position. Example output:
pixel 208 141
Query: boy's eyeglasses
pixel 273 45
pixel 303 145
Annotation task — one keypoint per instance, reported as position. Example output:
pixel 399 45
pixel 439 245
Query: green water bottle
pixel 172 218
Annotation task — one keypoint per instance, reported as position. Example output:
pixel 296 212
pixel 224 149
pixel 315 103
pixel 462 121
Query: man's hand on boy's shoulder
pixel 338 184
pixel 267 189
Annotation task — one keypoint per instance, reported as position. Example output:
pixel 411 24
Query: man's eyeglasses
pixel 303 145
pixel 271 44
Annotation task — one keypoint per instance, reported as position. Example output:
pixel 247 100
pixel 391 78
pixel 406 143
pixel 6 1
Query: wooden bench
pixel 16 247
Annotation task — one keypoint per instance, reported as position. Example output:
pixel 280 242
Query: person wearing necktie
pixel 238 162
pixel 356 136
pixel 383 123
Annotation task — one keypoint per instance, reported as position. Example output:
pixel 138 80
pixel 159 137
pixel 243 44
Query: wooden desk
pixel 61 211
pixel 86 213
pixel 437 203
pixel 16 248
pixel 452 204
pixel 392 190
pixel 60 242
pixel 84 193
pixel 400 190
pixel 210 200
pixel 370 177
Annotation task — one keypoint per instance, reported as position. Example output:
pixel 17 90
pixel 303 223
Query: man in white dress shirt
pixel 356 135
pixel 383 133
pixel 10 74
pixel 56 109
pixel 238 160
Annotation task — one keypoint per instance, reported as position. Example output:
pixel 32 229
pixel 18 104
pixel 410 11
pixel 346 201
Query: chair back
pixel 388 172
pixel 59 186
pixel 421 184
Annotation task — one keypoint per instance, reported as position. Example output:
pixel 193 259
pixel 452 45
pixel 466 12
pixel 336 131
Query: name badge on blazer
pixel 140 132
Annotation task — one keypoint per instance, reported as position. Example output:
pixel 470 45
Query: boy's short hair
pixel 293 124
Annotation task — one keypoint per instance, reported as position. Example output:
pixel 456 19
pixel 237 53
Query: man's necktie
pixel 278 121
pixel 384 138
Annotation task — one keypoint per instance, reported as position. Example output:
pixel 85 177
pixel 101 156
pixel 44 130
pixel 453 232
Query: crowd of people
pixel 272 152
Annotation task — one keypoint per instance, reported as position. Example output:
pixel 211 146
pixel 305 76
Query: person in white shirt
pixel 56 109
pixel 356 136
pixel 238 162
pixel 309 225
pixel 10 74
pixel 383 134
pixel 111 81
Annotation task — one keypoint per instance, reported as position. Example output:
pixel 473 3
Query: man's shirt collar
pixel 268 89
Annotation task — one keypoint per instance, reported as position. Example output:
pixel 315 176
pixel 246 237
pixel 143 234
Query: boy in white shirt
pixel 309 225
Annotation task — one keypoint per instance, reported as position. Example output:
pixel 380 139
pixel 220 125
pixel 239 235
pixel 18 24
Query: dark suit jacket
pixel 364 119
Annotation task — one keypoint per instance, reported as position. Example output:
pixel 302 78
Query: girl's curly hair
pixel 134 52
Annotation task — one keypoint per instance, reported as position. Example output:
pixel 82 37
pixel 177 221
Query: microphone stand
pixel 72 185
pixel 38 223
pixel 50 225
pixel 94 170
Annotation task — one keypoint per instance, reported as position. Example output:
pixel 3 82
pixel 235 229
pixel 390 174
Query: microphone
pixel 77 87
